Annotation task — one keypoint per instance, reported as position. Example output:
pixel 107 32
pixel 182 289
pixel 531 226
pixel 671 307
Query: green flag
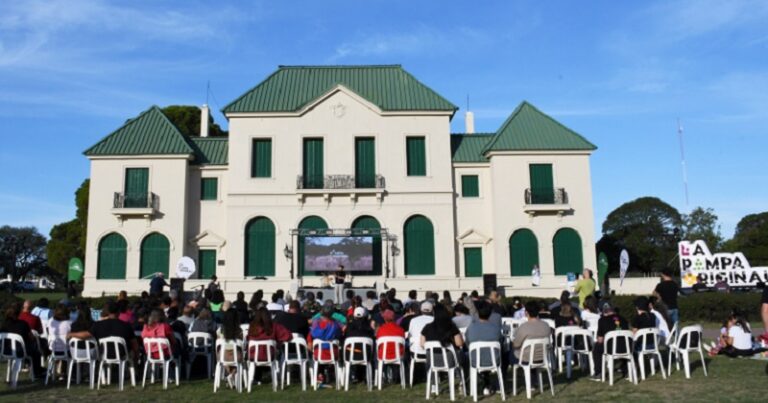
pixel 602 268
pixel 75 269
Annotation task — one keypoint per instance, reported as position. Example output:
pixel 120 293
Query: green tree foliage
pixel 187 120
pixel 751 238
pixel 648 228
pixel 22 250
pixel 68 238
pixel 702 224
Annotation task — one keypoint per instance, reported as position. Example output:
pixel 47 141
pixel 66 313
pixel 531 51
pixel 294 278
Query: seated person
pixel 533 328
pixel 14 325
pixel 389 329
pixel 293 320
pixel 484 330
pixel 110 326
pixel 325 328
pixel 443 330
pixel 609 321
pixel 156 327
pixel 735 339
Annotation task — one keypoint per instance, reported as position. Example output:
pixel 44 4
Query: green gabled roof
pixel 292 87
pixel 210 150
pixel 469 147
pixel 529 129
pixel 150 133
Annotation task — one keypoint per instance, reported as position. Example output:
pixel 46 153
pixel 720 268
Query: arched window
pixel 309 223
pixel 523 252
pixel 567 252
pixel 419 243
pixel 155 251
pixel 368 222
pixel 260 247
pixel 112 253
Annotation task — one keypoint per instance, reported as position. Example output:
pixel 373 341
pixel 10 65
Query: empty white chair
pixel 562 345
pixel 688 341
pixel 295 353
pixel 443 360
pixel 647 344
pixel 114 352
pixel 582 344
pixel 528 363
pixel 318 346
pixel 159 355
pixel 229 354
pixel 618 346
pixel 269 347
pixel 200 345
pixel 493 350
pixel 416 359
pixel 15 356
pixel 59 353
pixel 386 346
pixel 82 352
pixel 352 358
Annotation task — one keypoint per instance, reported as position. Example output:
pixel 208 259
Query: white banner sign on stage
pixel 185 268
pixel 623 265
pixel 697 261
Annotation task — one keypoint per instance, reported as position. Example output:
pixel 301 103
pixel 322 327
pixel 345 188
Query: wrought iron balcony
pixel 339 182
pixel 546 196
pixel 140 201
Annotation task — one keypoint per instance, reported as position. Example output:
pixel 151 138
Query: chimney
pixel 469 120
pixel 204 115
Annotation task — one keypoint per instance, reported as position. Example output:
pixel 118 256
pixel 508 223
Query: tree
pixel 187 120
pixel 751 238
pixel 648 228
pixel 68 238
pixel 22 250
pixel 702 224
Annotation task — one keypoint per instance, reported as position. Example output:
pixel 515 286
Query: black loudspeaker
pixel 489 282
pixel 177 284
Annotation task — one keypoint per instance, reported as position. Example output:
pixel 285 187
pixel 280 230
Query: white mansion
pixel 340 150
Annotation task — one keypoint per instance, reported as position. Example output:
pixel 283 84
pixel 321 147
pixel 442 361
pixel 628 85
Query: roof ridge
pixel 503 125
pixel 338 66
pixel 479 134
pixel 558 123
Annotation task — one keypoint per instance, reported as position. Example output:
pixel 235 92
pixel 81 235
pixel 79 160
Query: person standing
pixel 157 284
pixel 338 285
pixel 667 291
pixel 585 287
pixel 764 313
pixel 536 276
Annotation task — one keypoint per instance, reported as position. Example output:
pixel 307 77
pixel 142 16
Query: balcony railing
pixel 546 196
pixel 136 201
pixel 339 182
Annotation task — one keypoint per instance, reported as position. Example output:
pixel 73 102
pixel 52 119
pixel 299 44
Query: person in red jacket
pixel 389 328
pixel 32 320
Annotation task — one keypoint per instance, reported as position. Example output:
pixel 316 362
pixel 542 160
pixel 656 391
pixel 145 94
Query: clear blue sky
pixel 620 73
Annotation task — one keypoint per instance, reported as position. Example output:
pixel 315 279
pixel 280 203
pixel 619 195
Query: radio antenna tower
pixel 682 161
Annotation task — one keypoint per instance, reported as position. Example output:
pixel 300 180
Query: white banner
pixel 733 268
pixel 623 265
pixel 185 268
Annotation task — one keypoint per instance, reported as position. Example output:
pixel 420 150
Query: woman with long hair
pixel 263 328
pixel 566 315
pixel 444 331
pixel 157 327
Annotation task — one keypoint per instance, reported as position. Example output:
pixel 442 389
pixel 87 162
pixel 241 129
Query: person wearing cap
pixel 358 326
pixel 609 321
pixel 417 325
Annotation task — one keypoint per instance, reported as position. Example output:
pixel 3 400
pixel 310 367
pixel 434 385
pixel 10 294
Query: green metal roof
pixel 530 129
pixel 150 133
pixel 469 147
pixel 292 87
pixel 210 150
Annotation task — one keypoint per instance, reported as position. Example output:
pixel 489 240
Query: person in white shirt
pixel 417 325
pixel 275 305
pixel 590 314
pixel 735 338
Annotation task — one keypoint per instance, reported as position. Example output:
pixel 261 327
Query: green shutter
pixel 313 164
pixel 365 162
pixel 261 158
pixel 260 247
pixel 111 259
pixel 311 222
pixel 542 187
pixel 419 246
pixel 523 252
pixel 416 153
pixel 368 222
pixel 209 188
pixel 473 262
pixel 155 251
pixel 206 262
pixel 136 187
pixel 470 186
pixel 567 251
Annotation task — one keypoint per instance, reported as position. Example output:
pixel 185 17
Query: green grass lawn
pixel 729 380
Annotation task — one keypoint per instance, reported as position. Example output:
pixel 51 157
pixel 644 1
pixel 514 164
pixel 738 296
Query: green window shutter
pixel 111 259
pixel 260 247
pixel 542 187
pixel 311 222
pixel 419 246
pixel 470 186
pixel 313 164
pixel 473 262
pixel 261 158
pixel 365 162
pixel 368 222
pixel 136 187
pixel 155 251
pixel 567 252
pixel 209 188
pixel 523 252
pixel 206 261
pixel 416 153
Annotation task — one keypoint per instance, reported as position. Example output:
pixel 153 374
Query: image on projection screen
pixel 326 253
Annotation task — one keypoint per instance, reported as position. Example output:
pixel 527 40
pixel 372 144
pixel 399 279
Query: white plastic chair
pixel 384 346
pixel 365 346
pixel 78 357
pixel 59 353
pixel 449 364
pixel 550 322
pixel 561 346
pixel 39 340
pixel 582 344
pixel 509 326
pixel 16 357
pixel 254 347
pixel 416 359
pixel 162 345
pixel 118 347
pixel 647 344
pixel 611 354
pixel 222 363
pixel 688 341
pixel 317 349
pixel 527 363
pixel 200 345
pixel 295 353
pixel 475 366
